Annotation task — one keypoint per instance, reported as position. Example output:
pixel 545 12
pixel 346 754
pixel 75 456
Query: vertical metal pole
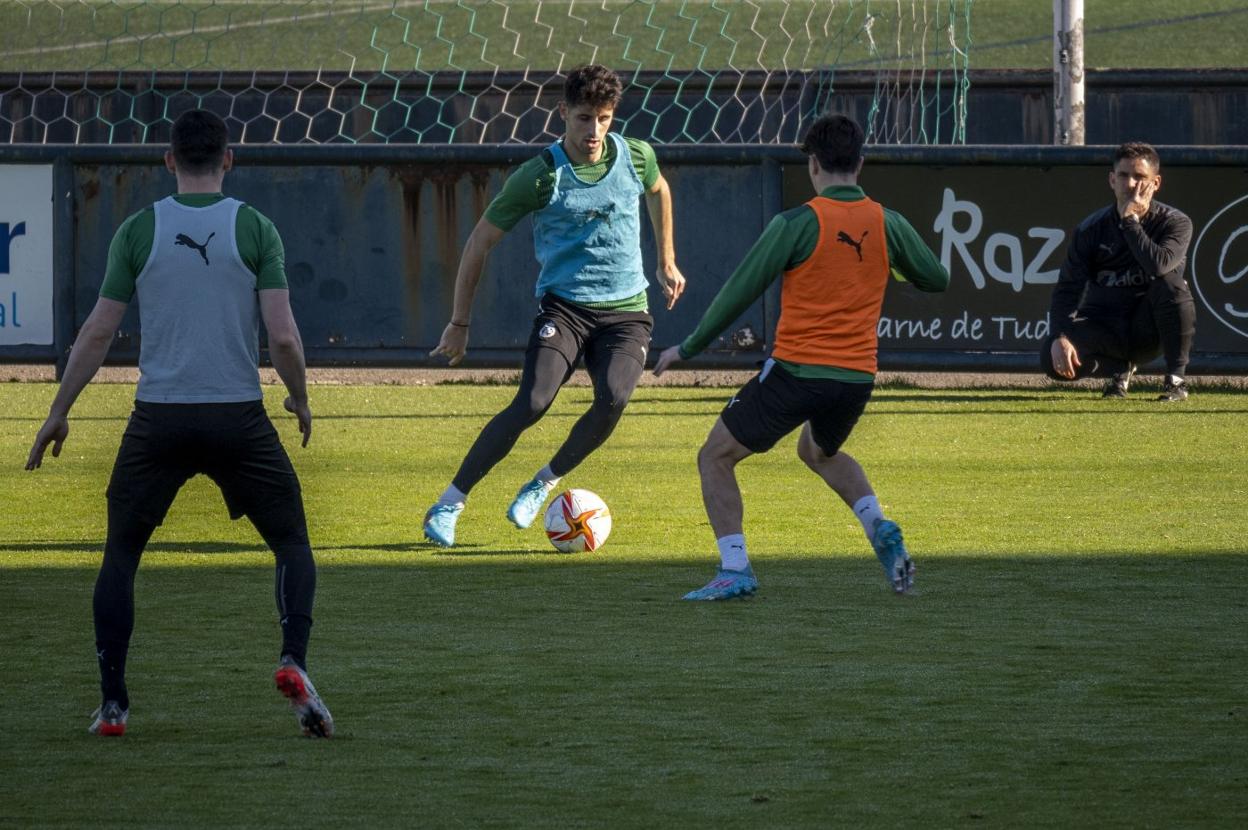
pixel 1068 124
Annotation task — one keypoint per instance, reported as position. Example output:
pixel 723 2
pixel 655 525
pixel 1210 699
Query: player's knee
pixel 530 408
pixel 282 524
pixel 608 408
pixel 706 457
pixel 810 453
pixel 1166 291
pixel 712 455
pixel 293 550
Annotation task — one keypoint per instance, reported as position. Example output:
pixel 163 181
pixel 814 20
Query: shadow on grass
pixel 1141 557
pixel 456 552
pixel 89 546
pixel 1039 690
pixel 39 419
pixel 713 396
pixel 97 546
pixel 1166 410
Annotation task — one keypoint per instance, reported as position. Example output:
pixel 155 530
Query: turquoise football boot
pixel 891 551
pixel 726 585
pixel 440 523
pixel 528 503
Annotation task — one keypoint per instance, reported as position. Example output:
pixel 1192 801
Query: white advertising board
pixel 25 254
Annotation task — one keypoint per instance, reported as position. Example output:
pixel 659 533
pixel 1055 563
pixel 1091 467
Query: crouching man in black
pixel 1121 298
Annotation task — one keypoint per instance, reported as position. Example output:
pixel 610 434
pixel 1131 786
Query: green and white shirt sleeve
pixel 909 258
pixel 259 246
pixel 529 188
pixel 767 259
pixel 787 242
pixel 526 190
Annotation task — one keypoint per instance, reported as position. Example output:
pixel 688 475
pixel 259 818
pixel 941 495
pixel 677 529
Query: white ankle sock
pixel 547 477
pixel 732 554
pixel 867 509
pixel 1175 380
pixel 452 495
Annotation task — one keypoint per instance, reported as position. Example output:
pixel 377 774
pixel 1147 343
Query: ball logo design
pixel 1220 266
pixel 578 520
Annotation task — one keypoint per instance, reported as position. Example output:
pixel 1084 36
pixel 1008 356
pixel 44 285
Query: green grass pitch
pixel 441 35
pixel 1076 656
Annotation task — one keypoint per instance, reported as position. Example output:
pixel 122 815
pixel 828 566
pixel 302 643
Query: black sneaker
pixel 1117 386
pixel 1173 391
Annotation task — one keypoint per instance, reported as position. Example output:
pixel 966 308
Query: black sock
pixel 295 631
pixel 112 660
pixel 285 530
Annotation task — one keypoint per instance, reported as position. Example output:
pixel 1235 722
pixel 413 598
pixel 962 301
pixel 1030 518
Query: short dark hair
pixel 593 84
pixel 836 142
pixel 1138 150
pixel 199 142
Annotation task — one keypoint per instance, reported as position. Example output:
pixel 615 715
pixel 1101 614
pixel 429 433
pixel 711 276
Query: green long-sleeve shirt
pixel 788 241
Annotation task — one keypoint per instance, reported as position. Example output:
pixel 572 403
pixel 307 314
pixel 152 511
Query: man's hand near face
pixel 1137 206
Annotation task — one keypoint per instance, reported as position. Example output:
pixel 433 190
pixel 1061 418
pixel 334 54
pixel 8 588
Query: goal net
pixel 474 71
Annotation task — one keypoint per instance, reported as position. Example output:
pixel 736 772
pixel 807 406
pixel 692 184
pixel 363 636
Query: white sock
pixel 867 509
pixel 732 552
pixel 548 478
pixel 452 495
pixel 1175 380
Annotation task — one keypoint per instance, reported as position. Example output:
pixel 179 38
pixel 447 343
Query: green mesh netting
pixel 469 71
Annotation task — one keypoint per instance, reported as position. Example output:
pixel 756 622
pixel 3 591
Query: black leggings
pixel 165 445
pixel 285 532
pixel 545 371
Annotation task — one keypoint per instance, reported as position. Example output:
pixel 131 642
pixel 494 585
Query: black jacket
pixel 1110 263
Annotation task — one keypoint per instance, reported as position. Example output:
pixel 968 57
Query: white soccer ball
pixel 578 520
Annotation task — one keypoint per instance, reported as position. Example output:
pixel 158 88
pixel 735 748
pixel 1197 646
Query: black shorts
pixel 596 335
pixel 774 403
pixel 234 444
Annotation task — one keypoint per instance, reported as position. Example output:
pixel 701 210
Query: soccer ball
pixel 578 520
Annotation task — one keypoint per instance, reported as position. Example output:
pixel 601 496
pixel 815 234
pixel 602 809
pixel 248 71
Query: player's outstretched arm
pixel 286 352
pixel 659 206
pixel 454 342
pixel 88 352
pixel 765 260
pixel 909 256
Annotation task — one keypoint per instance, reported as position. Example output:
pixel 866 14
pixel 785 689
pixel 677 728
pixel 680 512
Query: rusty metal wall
pixel 372 249
pixel 373 237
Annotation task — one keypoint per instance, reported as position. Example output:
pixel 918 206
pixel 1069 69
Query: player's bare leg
pixel 847 478
pixel 717 461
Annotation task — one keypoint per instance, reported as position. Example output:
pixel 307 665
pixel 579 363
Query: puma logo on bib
pixel 841 236
pixel 183 239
